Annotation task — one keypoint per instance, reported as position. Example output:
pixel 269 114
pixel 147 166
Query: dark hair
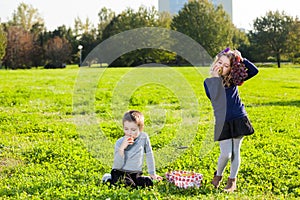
pixel 134 116
pixel 238 72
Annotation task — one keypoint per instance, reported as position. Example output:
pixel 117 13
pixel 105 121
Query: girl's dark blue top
pixel 235 108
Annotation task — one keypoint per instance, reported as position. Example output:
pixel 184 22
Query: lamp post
pixel 80 47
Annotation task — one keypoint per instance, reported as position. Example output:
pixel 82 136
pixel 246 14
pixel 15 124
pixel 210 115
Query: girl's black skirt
pixel 236 128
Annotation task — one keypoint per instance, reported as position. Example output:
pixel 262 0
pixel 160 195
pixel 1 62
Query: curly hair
pixel 238 71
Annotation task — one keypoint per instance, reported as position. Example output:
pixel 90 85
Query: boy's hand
pixel 127 141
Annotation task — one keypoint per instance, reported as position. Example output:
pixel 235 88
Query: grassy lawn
pixel 58 128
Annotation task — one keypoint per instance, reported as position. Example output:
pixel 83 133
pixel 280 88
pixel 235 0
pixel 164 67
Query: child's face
pixel 223 63
pixel 131 129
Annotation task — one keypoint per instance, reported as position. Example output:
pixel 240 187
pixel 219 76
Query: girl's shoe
pixel 231 185
pixel 216 180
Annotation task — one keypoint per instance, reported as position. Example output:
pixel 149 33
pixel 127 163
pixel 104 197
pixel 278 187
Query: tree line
pixel 26 43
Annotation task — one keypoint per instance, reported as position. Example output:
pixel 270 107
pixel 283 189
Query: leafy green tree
pixel 89 42
pixel 3 43
pixel 294 42
pixel 27 17
pixel 37 54
pixel 105 16
pixel 86 35
pixel 82 27
pixel 272 35
pixel 128 20
pixel 62 32
pixel 165 20
pixel 209 26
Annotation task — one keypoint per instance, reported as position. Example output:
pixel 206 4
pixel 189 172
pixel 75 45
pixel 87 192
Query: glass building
pixel 227 5
pixel 173 6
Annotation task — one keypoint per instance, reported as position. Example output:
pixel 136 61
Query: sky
pixel 62 12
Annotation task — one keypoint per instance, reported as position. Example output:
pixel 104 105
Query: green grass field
pixel 58 128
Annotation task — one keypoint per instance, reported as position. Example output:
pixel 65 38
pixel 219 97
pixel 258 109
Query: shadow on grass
pixel 291 87
pixel 295 103
pixel 283 103
pixel 169 188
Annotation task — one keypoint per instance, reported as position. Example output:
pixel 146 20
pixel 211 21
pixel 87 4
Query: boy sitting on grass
pixel 129 154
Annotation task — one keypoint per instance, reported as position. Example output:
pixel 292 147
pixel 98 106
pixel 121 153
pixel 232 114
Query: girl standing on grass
pixel 228 71
pixel 130 151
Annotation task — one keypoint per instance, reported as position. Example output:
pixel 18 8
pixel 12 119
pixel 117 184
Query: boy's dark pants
pixel 130 179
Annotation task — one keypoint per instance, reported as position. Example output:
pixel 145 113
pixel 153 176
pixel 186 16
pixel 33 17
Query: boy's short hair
pixel 134 116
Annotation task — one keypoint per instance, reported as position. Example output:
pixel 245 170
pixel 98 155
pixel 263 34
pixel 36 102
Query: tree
pixel 165 20
pixel 20 45
pixel 209 26
pixel 24 33
pixel 86 35
pixel 57 52
pixel 37 54
pixel 129 20
pixel 27 17
pixel 105 16
pixel 3 43
pixel 294 42
pixel 62 32
pixel 272 35
pixel 82 27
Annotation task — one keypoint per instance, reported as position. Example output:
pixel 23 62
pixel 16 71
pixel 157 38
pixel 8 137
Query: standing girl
pixel 228 71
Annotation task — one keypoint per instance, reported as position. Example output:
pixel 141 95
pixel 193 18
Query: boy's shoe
pixel 231 185
pixel 216 180
pixel 106 177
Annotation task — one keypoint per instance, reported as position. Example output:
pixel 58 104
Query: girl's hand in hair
pixel 238 54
